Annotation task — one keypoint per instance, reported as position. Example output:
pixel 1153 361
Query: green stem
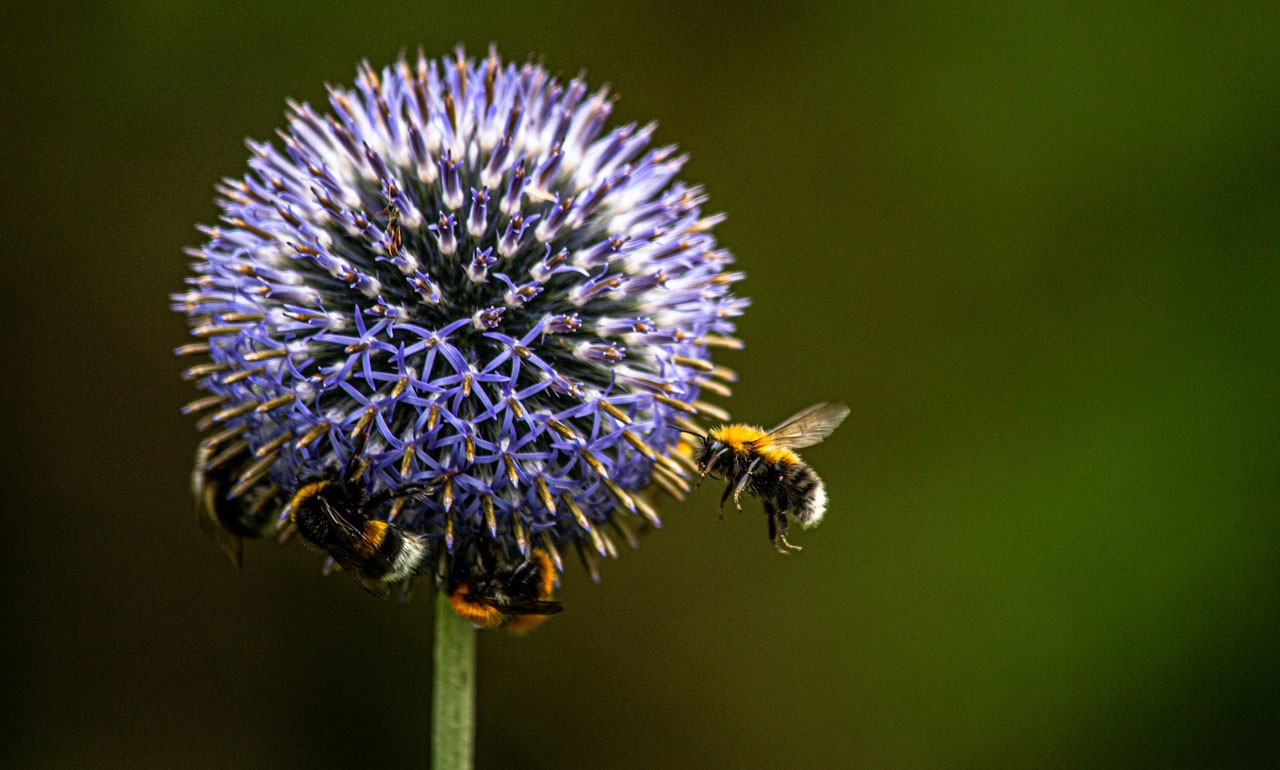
pixel 453 697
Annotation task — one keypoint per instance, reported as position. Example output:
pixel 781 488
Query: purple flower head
pixel 461 273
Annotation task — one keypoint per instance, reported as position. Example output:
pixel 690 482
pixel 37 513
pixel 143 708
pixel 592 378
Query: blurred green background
pixel 1035 250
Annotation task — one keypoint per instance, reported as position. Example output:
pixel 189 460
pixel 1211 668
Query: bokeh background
pixel 1036 251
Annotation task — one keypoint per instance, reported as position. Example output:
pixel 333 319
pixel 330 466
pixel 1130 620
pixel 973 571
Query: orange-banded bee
pixel 228 519
pixel 489 590
pixel 334 512
pixel 762 464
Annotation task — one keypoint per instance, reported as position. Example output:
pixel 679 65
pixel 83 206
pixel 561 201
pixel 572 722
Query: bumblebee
pixel 762 464
pixel 334 513
pixel 229 520
pixel 489 590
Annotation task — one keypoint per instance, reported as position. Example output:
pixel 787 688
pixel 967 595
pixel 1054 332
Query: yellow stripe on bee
pixel 475 613
pixel 375 532
pixel 775 456
pixel 547 574
pixel 745 439
pixel 305 492
pixel 737 437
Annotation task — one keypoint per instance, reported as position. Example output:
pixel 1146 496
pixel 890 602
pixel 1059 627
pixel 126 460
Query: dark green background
pixel 1036 251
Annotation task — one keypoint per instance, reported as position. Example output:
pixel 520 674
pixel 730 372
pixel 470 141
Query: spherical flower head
pixel 462 275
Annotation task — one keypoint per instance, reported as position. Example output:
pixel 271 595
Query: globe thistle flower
pixel 461 276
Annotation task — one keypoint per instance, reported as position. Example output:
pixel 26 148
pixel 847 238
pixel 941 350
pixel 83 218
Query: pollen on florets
pixel 459 261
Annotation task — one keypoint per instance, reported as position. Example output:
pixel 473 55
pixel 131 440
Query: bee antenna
pixel 690 432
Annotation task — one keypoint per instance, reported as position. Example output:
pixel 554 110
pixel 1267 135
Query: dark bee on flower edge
pixel 227 518
pixel 490 590
pixel 762 464
pixel 335 513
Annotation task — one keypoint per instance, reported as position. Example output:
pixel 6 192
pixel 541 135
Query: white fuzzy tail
pixel 813 516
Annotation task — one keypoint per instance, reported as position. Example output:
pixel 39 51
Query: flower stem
pixel 453 697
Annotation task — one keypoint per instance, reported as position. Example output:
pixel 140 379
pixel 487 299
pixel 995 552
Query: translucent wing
pixel 354 541
pixel 526 608
pixel 808 426
pixel 375 587
pixel 207 515
pixel 346 532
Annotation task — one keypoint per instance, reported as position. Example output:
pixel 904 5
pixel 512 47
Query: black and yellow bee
pixel 229 519
pixel 335 513
pixel 490 590
pixel 763 464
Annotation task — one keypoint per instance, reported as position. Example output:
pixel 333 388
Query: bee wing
pixel 375 587
pixel 809 426
pixel 527 608
pixel 350 533
pixel 207 491
pixel 354 539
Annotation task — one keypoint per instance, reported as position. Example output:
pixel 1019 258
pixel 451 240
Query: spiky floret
pixel 460 262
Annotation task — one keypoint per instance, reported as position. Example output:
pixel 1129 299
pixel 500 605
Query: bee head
pixel 707 452
pixel 711 452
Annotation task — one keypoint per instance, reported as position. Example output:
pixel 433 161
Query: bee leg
pixel 728 489
pixel 407 490
pixel 778 529
pixel 772 515
pixel 405 589
pixel 742 482
pixel 782 536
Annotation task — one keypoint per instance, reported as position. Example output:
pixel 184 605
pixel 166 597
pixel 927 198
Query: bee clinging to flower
pixel 763 464
pixel 489 589
pixel 222 512
pixel 335 513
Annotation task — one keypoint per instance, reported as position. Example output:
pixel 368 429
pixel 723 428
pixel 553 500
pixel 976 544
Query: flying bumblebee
pixel 230 520
pixel 489 590
pixel 763 464
pixel 334 512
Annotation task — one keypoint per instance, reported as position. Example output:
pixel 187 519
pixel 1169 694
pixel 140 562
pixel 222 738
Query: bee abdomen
pixel 400 553
pixel 235 515
pixel 806 495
